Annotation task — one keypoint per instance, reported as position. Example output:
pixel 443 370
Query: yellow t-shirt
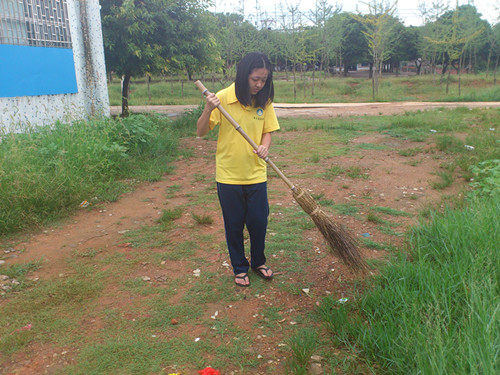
pixel 236 163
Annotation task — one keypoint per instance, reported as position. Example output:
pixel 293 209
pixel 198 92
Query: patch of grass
pixel 47 172
pixel 437 313
pixel 19 271
pixel 173 190
pixel 371 146
pixel 147 237
pixel 375 245
pixel 346 209
pixel 302 344
pixel 333 171
pixel 449 143
pixel 357 172
pixel 202 219
pixel 445 181
pixel 410 151
pixel 50 308
pixel 169 216
pixel 390 211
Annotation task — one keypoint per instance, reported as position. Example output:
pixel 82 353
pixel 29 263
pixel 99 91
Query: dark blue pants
pixel 244 205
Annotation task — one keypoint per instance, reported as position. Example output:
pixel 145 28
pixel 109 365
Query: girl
pixel 241 172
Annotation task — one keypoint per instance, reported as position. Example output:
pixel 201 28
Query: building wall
pixel 51 89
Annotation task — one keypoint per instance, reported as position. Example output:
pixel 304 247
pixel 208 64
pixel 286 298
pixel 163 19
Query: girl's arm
pixel 202 125
pixel 263 150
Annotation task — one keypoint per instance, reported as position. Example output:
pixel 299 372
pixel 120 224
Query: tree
pixel 295 41
pixel 455 40
pixel 144 36
pixel 354 46
pixel 405 47
pixel 319 16
pixel 378 31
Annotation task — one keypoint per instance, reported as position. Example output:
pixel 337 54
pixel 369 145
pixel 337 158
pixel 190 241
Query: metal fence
pixel 42 23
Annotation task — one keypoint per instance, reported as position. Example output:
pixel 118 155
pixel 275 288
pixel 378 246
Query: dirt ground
pixel 328 110
pixel 391 183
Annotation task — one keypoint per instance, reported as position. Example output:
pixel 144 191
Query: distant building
pixel 51 62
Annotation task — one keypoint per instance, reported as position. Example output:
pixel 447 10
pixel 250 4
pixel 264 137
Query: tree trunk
pixel 448 82
pixel 460 75
pixel 312 90
pixel 495 72
pixel 294 69
pixel 303 78
pixel 488 64
pixel 148 80
pixel 125 91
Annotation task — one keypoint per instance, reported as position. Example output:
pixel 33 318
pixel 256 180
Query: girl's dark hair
pixel 253 60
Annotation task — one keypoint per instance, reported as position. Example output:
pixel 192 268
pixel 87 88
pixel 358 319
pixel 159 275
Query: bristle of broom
pixel 339 240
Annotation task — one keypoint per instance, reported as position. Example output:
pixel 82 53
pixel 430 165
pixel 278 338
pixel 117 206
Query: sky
pixel 407 10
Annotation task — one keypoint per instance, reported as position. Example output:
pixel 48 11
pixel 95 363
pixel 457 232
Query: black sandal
pixel 259 272
pixel 242 277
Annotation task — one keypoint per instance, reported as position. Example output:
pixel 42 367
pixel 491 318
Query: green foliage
pixel 302 344
pixel 438 313
pixel 486 178
pixel 47 172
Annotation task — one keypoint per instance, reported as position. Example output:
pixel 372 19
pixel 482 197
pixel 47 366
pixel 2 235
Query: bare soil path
pixel 326 110
pixel 392 182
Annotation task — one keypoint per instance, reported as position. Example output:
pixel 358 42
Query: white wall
pixel 18 113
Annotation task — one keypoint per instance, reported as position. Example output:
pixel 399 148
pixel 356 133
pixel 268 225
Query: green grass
pixel 331 90
pixel 437 312
pixel 390 211
pixel 60 309
pixel 47 172
pixel 51 308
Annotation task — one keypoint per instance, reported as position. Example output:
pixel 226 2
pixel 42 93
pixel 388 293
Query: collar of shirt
pixel 231 95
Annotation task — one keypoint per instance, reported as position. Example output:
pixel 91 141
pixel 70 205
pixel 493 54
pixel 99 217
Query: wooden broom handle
pixel 237 126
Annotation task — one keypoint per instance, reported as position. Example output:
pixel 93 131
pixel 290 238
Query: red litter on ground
pixel 209 371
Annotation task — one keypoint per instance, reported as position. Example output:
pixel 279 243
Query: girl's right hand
pixel 212 101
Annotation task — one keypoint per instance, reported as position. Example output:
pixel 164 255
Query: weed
pixel 410 151
pixel 445 181
pixel 333 171
pixel 390 211
pixel 168 216
pixel 302 344
pixel 203 219
pixel 357 172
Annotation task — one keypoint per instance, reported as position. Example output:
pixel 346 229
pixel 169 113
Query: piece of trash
pixel 146 278
pixel 469 147
pixel 433 131
pixel 343 300
pixel 209 371
pixel 492 129
pixel 27 327
pixel 197 339
pixel 365 234
pixel 215 315
pixel 197 272
pixel 84 204
pixel 306 291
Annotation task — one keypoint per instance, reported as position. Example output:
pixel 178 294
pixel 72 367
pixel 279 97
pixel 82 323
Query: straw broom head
pixel 339 240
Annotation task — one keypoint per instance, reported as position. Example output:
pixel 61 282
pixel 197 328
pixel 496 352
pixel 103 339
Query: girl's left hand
pixel 262 152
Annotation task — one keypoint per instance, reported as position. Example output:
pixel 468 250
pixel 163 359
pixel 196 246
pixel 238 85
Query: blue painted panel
pixel 28 71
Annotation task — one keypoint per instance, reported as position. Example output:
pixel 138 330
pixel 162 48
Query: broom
pixel 339 240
